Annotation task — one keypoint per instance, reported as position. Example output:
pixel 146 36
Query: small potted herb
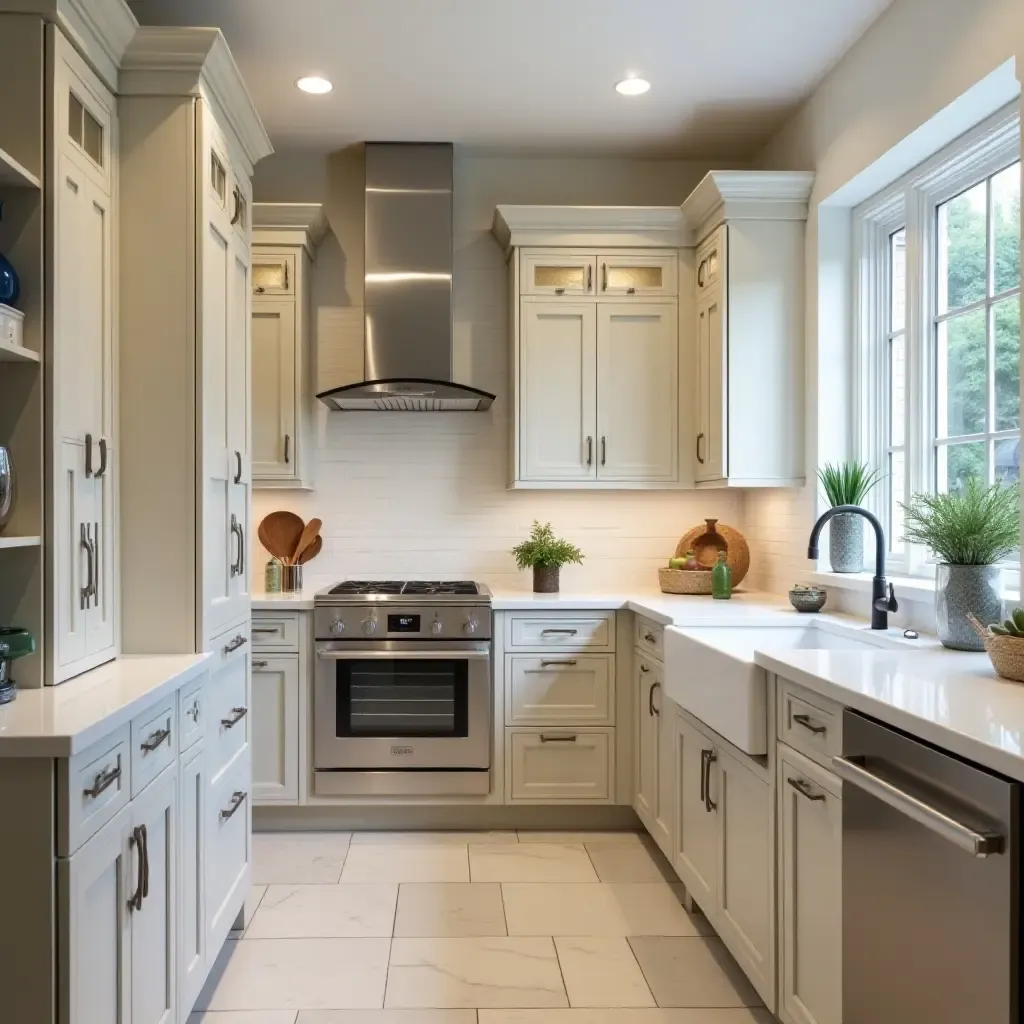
pixel 545 554
pixel 970 531
pixel 847 483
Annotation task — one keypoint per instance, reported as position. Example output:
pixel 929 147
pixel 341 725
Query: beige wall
pixel 901 78
pixel 424 494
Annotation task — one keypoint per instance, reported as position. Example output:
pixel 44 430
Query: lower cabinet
pixel 650 804
pixel 560 766
pixel 191 908
pixel 228 848
pixel 695 847
pixel 810 854
pixel 275 729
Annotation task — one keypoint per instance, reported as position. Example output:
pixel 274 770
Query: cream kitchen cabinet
pixel 285 238
pixel 188 145
pixel 749 327
pixel 191 950
pixel 652 799
pixel 695 844
pixel 596 364
pixel 810 910
pixel 275 728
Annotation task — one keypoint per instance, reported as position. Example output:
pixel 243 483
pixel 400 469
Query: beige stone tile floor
pixel 471 928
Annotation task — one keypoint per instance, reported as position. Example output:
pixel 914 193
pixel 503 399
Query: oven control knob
pixel 470 627
pixel 337 627
pixel 369 626
pixel 437 627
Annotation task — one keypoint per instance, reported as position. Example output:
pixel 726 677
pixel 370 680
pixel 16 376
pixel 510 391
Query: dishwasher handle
pixel 979 844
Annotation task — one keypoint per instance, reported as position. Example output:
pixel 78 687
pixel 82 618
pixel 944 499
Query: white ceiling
pixel 530 74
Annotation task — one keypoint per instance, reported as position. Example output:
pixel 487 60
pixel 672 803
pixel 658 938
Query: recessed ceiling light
pixel 632 86
pixel 314 84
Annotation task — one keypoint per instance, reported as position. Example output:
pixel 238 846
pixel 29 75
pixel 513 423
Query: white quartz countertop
pixel 950 698
pixel 300 601
pixel 58 721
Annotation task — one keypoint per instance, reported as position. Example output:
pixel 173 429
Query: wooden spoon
pixel 312 551
pixel 279 533
pixel 309 533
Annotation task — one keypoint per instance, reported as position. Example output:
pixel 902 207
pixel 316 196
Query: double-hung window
pixel 938 326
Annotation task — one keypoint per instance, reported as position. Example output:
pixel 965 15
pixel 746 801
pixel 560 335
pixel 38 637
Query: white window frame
pixel 911 202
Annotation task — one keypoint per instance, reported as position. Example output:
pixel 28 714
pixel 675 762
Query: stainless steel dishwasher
pixel 931 893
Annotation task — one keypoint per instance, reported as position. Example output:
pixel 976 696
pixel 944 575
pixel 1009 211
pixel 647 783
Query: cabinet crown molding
pixel 741 195
pixel 164 61
pixel 302 224
pixel 616 226
pixel 99 29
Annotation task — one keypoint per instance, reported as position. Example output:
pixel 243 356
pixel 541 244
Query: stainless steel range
pixel 402 695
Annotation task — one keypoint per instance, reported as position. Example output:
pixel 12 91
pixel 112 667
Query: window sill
pixel 919 589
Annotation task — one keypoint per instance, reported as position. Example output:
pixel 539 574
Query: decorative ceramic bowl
pixel 808 599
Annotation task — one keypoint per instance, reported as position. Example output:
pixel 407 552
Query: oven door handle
pixel 452 655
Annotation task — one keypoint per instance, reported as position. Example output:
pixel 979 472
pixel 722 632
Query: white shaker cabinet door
pixel 558 390
pixel 637 391
pixel 94 887
pixel 645 800
pixel 275 729
pixel 72 598
pixel 696 830
pixel 811 824
pixel 154 936
pixel 191 893
pixel 239 349
pixel 274 430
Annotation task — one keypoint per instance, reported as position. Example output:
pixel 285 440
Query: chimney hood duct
pixel 407 346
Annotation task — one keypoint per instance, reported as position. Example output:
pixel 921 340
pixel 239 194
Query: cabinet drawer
pixel 227 701
pixel 574 689
pixel 228 831
pixel 273 274
pixel 649 637
pixel 276 632
pixel 809 723
pixel 91 788
pixel 645 275
pixel 560 766
pixel 558 273
pixel 540 630
pixel 154 742
pixel 191 717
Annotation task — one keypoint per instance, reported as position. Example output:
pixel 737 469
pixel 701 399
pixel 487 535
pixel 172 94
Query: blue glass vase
pixel 10 286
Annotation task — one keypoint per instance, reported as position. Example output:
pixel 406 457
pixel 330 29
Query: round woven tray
pixel 684 581
pixel 1005 652
pixel 737 554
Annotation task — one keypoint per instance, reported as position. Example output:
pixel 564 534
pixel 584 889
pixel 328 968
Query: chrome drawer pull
pixel 548 664
pixel 239 641
pixel 804 789
pixel 103 781
pixel 237 799
pixel 564 632
pixel 237 714
pixel 154 740
pixel 808 723
pixel 544 738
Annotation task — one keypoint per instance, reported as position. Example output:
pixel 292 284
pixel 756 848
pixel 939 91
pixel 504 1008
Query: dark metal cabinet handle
pixel 135 900
pixel 708 757
pixel 810 725
pixel 239 204
pixel 545 738
pixel 103 781
pixel 703 773
pixel 237 714
pixel 548 664
pixel 237 799
pixel 88 455
pixel 193 711
pixel 89 590
pixel 645 668
pixel 103 458
pixel 238 566
pixel 145 861
pixel 804 789
pixel 238 467
pixel 590 276
pixel 604 277
pixel 265 629
pixel 239 641
pixel 651 709
pixel 286 277
pixel 99 564
pixel 700 273
pixel 155 740
pixel 260 664
pixel 559 291
pixel 649 637
pixel 604 450
pixel 259 289
pixel 565 632
pixel 590 450
pixel 631 290
pixel 287 448
pixel 700 437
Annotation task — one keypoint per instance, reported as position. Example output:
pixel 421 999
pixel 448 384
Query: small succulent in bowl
pixel 1013 626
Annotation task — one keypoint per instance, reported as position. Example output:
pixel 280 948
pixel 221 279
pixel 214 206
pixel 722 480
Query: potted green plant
pixel 545 554
pixel 846 483
pixel 970 531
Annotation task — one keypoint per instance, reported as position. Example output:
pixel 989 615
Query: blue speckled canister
pixel 961 590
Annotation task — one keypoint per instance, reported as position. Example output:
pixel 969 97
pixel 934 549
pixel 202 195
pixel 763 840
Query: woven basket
pixel 737 555
pixel 684 581
pixel 1005 652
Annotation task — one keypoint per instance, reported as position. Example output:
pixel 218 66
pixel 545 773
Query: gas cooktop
pixel 405 592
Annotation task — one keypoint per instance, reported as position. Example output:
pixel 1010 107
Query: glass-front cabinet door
pixel 555 273
pixel 642 274
pixel 273 275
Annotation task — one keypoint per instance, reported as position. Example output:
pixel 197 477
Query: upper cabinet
pixel 189 138
pixel 596 354
pixel 748 326
pixel 285 238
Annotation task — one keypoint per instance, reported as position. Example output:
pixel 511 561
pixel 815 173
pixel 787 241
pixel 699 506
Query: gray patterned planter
pixel 964 589
pixel 846 543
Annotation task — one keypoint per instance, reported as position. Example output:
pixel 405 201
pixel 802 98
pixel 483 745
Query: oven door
pixel 402 705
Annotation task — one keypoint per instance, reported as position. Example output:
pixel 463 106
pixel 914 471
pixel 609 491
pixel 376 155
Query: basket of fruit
pixel 685 575
pixel 1004 643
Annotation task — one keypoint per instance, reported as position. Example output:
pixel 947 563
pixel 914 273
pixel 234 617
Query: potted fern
pixel 846 483
pixel 970 531
pixel 545 554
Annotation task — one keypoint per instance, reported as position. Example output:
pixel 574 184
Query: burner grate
pixel 412 587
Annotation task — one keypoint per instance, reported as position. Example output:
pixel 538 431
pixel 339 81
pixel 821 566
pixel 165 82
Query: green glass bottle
pixel 721 579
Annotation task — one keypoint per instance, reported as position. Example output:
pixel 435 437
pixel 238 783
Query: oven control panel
pixel 421 622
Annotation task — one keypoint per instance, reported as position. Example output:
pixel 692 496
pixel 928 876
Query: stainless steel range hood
pixel 408 289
